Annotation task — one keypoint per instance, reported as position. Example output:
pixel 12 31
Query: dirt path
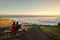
pixel 36 34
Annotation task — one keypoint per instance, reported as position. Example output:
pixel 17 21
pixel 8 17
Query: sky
pixel 29 7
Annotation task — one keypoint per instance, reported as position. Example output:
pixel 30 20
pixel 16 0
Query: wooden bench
pixel 8 32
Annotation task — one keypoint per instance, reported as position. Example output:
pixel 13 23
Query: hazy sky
pixel 29 7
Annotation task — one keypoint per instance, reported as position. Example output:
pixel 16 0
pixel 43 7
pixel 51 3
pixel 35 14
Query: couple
pixel 15 27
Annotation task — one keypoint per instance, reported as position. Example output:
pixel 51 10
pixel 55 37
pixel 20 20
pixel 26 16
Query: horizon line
pixel 34 15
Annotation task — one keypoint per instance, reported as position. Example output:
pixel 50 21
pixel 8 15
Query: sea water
pixel 35 19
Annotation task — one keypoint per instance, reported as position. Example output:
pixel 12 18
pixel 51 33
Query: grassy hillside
pixel 52 32
pixel 5 22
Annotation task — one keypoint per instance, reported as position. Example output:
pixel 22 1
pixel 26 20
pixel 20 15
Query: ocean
pixel 43 20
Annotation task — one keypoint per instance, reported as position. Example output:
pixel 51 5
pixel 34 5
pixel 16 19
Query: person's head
pixel 17 22
pixel 14 23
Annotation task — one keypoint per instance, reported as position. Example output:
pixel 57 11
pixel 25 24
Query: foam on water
pixel 38 20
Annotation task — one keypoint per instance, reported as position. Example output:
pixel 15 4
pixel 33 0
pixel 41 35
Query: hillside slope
pixel 5 22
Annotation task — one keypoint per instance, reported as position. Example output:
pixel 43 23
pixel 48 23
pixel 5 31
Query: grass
pixel 52 32
pixel 27 27
pixel 2 31
pixel 5 22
